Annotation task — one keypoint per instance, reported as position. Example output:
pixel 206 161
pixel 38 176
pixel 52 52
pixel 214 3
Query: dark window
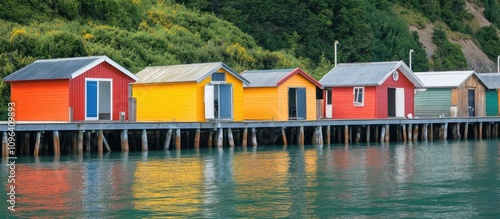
pixel 218 77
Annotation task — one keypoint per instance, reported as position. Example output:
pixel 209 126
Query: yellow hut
pixel 279 95
pixel 189 93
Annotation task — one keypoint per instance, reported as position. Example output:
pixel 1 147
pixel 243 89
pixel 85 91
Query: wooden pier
pixel 97 136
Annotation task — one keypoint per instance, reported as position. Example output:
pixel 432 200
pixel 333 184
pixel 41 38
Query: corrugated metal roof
pixel 274 77
pixel 365 74
pixel 444 78
pixel 491 80
pixel 62 68
pixel 265 78
pixel 183 73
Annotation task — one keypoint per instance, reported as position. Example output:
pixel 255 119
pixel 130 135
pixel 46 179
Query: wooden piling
pixel 283 135
pixel 376 133
pixel 37 144
pixel 87 143
pixel 254 137
pixel 106 145
pixel 387 133
pixel 320 137
pixel 358 135
pixel 178 139
pixel 410 133
pixel 480 131
pixel 328 135
pixel 346 134
pixel 124 140
pixel 431 136
pixel 458 131
pixel 382 135
pixel 415 133
pixel 495 131
pixel 404 133
pixel 144 140
pixel 57 146
pixel 80 142
pixel 5 145
pixel 245 138
pixel 100 137
pixel 425 133
pixel 168 138
pixel 74 143
pixel 210 138
pixel 230 138
pixel 197 138
pixel 368 134
pixel 220 138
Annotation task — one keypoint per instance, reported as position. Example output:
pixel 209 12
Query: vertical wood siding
pixel 382 98
pixel 41 100
pixel 297 81
pixel 166 102
pixel 120 90
pixel 460 97
pixel 343 103
pixel 261 103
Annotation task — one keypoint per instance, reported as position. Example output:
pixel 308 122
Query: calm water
pixel 434 180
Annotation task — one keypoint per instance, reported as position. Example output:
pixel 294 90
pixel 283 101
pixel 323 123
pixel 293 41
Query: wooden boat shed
pixel 492 82
pixel 71 89
pixel 445 90
pixel 279 95
pixel 189 93
pixel 369 90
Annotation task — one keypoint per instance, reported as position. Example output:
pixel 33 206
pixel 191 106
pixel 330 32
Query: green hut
pixel 450 94
pixel 492 82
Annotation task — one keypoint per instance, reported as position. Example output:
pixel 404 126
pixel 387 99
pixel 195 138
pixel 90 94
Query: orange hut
pixel 279 95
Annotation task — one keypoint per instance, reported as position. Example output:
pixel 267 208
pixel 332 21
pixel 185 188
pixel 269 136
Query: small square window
pixel 218 77
pixel 359 96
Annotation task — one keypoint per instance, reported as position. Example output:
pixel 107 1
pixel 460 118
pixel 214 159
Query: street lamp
pixel 411 51
pixel 336 42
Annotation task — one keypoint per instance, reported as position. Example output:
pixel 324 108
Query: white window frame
pixel 355 92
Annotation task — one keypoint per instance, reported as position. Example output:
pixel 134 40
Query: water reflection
pixel 442 179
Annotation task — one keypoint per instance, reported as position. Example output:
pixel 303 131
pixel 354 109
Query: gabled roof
pixel 62 68
pixel 183 73
pixel 491 80
pixel 275 77
pixel 443 79
pixel 366 74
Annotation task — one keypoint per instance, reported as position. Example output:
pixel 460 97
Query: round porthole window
pixel 395 75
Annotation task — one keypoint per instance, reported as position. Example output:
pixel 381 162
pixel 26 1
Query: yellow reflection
pixel 268 174
pixel 169 186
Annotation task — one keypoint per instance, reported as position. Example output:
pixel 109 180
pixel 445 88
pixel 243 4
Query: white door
pixel 400 102
pixel 209 101
pixel 328 103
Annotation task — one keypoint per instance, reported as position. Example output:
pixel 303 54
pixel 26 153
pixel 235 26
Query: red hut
pixel 71 89
pixel 369 90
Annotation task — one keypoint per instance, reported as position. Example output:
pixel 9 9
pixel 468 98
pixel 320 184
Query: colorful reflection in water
pixel 442 179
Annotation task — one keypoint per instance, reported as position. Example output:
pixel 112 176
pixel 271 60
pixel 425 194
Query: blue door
pixel 301 103
pixel 225 101
pixel 91 100
pixel 472 103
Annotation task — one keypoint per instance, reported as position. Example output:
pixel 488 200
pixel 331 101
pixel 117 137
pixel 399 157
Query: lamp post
pixel 336 42
pixel 411 51
pixel 498 64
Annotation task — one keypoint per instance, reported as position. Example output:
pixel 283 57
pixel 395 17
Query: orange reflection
pixel 169 187
pixel 259 170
